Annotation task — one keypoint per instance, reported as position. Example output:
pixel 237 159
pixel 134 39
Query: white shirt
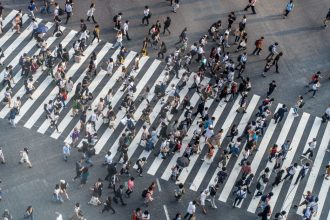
pixel 59 217
pixel 93 117
pixel 119 38
pixel 146 12
pixel 108 159
pixel 312 145
pixel 34 25
pixel 68 8
pixel 90 12
pixel 125 27
pixel 110 67
pixel 191 208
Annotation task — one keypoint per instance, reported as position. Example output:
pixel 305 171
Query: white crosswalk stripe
pixel 198 175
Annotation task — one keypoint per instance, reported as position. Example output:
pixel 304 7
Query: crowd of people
pixel 220 54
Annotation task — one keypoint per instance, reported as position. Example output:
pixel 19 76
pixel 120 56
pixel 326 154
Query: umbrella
pixel 42 28
pixel 183 161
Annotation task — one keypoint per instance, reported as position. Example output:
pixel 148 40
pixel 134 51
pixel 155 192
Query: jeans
pixel 29 216
pixel 117 44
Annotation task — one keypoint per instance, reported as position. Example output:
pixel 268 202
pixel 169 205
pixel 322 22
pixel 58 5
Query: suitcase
pixel 77 59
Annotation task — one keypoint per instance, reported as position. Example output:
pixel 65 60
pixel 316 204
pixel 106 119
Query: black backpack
pixel 115 18
pixel 270 48
pixel 144 193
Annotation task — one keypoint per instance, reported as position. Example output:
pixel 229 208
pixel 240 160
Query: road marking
pixel 158 184
pixel 166 213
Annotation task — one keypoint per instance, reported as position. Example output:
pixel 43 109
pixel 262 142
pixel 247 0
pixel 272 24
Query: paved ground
pixel 306 48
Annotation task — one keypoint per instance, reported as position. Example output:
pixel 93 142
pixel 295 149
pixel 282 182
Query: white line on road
pixel 166 212
pixel 158 184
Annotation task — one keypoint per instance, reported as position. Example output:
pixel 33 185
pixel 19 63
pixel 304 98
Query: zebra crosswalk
pixel 200 173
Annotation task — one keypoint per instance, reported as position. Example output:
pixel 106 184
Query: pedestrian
pixel 32 8
pixel 242 104
pixel 265 213
pixel 240 195
pixel 275 61
pixel 302 173
pixel 326 115
pixel 83 176
pixel 271 88
pixel 278 116
pixel 66 151
pixel 96 33
pixel 125 29
pixel 6 215
pixel 190 210
pixel 299 104
pixel 68 9
pixel 290 171
pixel 145 215
pixel 280 215
pixel 178 193
pixel 183 36
pixel 90 13
pixel 315 87
pixel 130 186
pixel 140 162
pixel 146 15
pixel 167 24
pixel 108 206
pixel 64 186
pixel 251 5
pixel 288 9
pixel 77 213
pixel 272 51
pixel 57 194
pixel 278 178
pixel 29 213
pixel 213 191
pixel 162 50
pixel 149 196
pixel 311 147
pixel 59 216
pixel 24 157
pixel 327 172
pixel 259 44
pixel 119 194
pixel 34 26
pixel 2 156
pixel 119 39
pixel 178 216
pixel 246 169
pixel 231 19
pixel 326 19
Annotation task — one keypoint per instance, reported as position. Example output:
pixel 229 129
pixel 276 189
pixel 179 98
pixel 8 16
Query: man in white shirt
pixel 311 147
pixel 68 10
pixel 190 210
pixel 34 26
pixel 146 15
pixel 125 28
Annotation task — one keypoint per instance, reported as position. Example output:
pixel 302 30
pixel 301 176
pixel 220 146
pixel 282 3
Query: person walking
pixel 32 8
pixel 24 157
pixel 146 15
pixel 130 186
pixel 119 194
pixel 96 33
pixel 272 51
pixel 311 147
pixel 140 162
pixel 240 195
pixel 125 30
pixel 83 176
pixel 2 156
pixel 315 87
pixel 326 19
pixel 191 210
pixel 288 9
pixel 213 191
pixel 302 173
pixel 119 40
pixel 183 36
pixel 290 171
pixel 275 61
pixel 251 5
pixel 29 213
pixel 259 44
pixel 108 206
pixel 90 13
pixel 77 212
pixel 278 116
pixel 68 9
pixel 167 24
pixel 66 151
pixel 162 50
pixel 326 115
pixel 299 104
pixel 271 88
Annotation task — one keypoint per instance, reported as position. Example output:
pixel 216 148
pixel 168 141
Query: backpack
pixel 60 11
pixel 144 193
pixel 239 58
pixel 134 88
pixel 263 198
pixel 270 48
pixel 130 124
pixel 115 18
pixel 186 113
pixel 301 104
